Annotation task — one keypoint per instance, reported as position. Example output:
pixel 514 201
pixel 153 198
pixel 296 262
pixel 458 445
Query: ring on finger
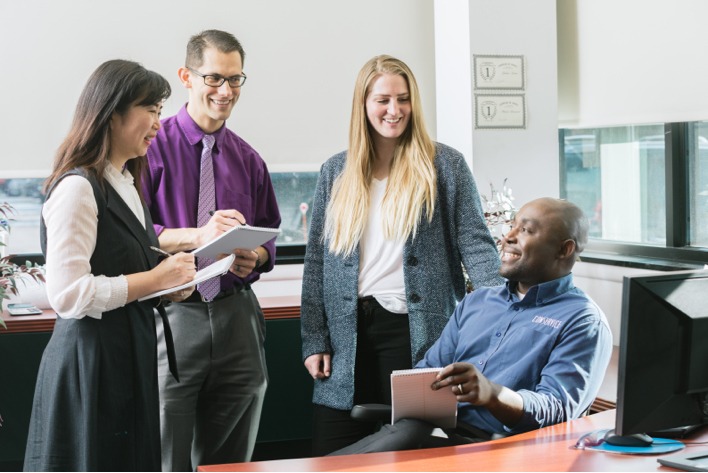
pixel 238 268
pixel 459 388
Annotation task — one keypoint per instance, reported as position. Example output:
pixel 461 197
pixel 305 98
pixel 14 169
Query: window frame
pixel 676 254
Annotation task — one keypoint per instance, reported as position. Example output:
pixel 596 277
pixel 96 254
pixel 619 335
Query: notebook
pixel 217 268
pixel 243 237
pixel 411 397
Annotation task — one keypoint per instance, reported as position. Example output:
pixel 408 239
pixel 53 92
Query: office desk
pixel 548 449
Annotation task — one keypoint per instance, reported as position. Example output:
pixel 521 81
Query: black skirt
pixel 96 403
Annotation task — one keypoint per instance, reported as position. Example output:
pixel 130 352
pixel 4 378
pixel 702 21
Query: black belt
pixel 197 297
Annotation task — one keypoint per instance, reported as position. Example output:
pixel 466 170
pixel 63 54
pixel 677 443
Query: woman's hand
pixel 176 270
pixel 319 365
pixel 170 272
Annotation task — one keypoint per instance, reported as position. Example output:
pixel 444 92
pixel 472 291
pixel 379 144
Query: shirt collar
pixel 123 177
pixel 541 293
pixel 191 130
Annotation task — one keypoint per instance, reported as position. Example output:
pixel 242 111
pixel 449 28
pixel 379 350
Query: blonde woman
pixel 394 218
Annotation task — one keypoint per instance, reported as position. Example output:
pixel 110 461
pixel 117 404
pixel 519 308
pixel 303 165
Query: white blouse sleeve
pixel 71 218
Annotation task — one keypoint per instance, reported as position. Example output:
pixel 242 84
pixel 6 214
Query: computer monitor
pixel 663 363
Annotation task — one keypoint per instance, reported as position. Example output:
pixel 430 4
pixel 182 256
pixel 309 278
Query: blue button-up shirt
pixel 552 347
pixel 241 178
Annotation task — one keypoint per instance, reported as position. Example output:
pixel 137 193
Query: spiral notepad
pixel 244 237
pixel 412 397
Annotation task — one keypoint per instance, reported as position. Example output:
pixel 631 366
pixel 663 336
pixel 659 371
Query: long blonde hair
pixel 412 181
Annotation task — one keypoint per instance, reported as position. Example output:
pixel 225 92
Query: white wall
pixel 528 157
pixel 453 72
pixel 302 58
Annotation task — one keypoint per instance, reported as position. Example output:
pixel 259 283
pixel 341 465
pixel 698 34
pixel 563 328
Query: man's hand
pixel 471 386
pixel 319 365
pixel 185 239
pixel 247 261
pixel 468 383
pixel 222 221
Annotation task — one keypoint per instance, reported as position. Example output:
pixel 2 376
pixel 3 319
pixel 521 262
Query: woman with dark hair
pixel 96 403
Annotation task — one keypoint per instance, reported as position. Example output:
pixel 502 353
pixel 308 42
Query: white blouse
pixel 381 260
pixel 71 218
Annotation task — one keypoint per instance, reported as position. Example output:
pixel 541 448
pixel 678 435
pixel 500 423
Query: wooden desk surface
pixel 548 449
pixel 28 323
pixel 45 321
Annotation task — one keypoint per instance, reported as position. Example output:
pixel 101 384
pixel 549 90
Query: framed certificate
pixel 499 72
pixel 500 111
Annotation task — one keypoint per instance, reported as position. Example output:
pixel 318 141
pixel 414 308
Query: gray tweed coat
pixel 431 266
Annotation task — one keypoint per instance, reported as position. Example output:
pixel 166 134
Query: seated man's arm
pixel 571 378
pixel 567 383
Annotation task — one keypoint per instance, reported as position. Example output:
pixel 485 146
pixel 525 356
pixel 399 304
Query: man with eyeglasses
pixel 211 415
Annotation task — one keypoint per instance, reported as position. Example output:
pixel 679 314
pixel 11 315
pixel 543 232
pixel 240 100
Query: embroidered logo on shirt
pixel 546 321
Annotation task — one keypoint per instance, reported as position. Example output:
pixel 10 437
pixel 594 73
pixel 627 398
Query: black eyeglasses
pixel 214 80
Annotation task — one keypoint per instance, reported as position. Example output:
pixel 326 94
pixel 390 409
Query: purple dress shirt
pixel 171 184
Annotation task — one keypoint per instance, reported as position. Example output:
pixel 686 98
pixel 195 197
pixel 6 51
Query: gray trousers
pixel 211 416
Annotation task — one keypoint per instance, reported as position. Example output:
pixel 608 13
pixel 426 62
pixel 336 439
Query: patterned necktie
pixel 207 201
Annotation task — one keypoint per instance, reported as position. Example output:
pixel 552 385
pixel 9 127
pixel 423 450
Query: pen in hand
pixel 212 212
pixel 161 251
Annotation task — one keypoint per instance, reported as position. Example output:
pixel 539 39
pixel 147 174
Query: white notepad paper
pixel 243 237
pixel 411 397
pixel 217 268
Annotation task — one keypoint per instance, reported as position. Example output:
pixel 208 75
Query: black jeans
pixel 408 434
pixel 383 345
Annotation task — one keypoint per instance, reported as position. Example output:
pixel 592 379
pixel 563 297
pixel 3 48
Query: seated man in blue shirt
pixel 521 356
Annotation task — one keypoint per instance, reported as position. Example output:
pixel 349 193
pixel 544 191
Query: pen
pixel 212 212
pixel 161 251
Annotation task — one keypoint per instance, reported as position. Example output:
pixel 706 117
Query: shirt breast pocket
pixel 528 346
pixel 231 199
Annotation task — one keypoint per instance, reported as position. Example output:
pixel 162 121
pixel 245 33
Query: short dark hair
pixel 221 40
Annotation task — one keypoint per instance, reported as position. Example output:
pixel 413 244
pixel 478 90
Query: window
pixel 25 196
pixel 294 191
pixel 644 188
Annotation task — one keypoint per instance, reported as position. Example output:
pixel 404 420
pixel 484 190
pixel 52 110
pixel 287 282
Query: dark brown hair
pixel 113 88
pixel 221 40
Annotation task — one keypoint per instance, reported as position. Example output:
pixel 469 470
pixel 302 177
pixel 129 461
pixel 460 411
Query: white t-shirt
pixel 71 217
pixel 381 260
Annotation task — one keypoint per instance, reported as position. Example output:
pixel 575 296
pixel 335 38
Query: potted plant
pixel 11 273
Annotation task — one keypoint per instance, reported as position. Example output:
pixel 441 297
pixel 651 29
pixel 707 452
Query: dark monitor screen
pixel 663 364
